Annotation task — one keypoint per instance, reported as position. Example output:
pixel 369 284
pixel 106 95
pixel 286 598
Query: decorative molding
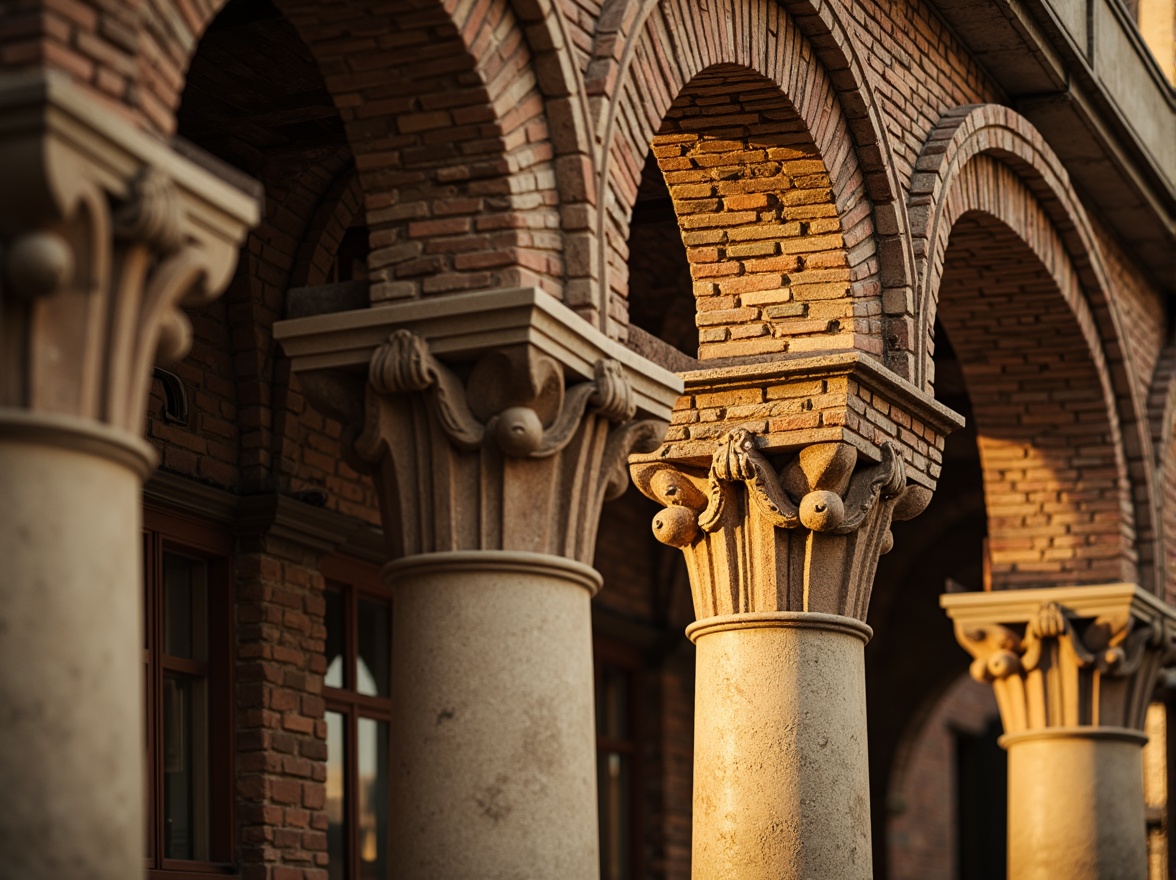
pixel 802 538
pixel 105 234
pixel 468 326
pixel 1072 657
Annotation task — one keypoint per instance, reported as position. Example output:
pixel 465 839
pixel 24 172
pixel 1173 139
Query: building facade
pixel 452 439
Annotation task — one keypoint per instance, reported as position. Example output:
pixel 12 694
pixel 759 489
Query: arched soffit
pixel 644 55
pixel 1162 421
pixel 445 115
pixel 974 158
pixel 1055 476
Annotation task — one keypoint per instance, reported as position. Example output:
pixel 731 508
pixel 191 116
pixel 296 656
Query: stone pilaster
pixel 1074 670
pixel 779 484
pixel 105 233
pixel 495 426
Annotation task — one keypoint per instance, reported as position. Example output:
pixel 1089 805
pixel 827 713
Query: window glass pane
pixel 372 666
pixel 336 797
pixel 612 702
pixel 185 767
pixel 184 602
pixel 335 639
pixel 373 799
pixel 613 780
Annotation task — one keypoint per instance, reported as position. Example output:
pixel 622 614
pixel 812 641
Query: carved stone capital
pixel 499 421
pixel 1068 657
pixel 758 537
pixel 105 233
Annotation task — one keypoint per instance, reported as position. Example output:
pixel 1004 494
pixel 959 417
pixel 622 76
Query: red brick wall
pixel 281 731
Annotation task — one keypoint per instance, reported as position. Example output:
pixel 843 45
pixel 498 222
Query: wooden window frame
pixel 164 531
pixel 356 579
pixel 623 656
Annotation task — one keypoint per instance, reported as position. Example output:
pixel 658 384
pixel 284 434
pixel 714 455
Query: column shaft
pixel 781 788
pixel 71 642
pixel 494 759
pixel 1076 806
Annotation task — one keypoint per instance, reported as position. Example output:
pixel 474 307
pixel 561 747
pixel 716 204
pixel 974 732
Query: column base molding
pixel 1115 734
pixel 84 436
pixel 780 620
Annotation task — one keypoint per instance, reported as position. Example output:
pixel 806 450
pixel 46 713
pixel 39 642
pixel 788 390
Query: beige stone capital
pixel 1067 660
pixel 780 480
pixel 805 537
pixel 492 421
pixel 105 232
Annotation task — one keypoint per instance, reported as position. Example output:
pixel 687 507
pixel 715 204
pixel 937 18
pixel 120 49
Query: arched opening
pixel 757 213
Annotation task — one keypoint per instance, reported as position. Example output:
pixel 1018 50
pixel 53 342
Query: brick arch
pixel 1162 420
pixel 988 158
pixel 445 115
pixel 337 210
pixel 644 55
pixel 1055 475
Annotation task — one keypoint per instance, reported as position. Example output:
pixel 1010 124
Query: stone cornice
pixel 464 327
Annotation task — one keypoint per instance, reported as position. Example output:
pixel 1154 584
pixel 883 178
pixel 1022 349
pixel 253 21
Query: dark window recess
pixel 359 715
pixel 981 804
pixel 619 785
pixel 351 257
pixel 187 661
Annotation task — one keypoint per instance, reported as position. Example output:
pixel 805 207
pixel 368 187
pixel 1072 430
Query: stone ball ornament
pixel 38 263
pixel 518 431
pixel 822 511
pixel 676 526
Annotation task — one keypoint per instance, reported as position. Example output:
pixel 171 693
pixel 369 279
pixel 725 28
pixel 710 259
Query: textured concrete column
pixel 103 233
pixel 495 425
pixel 782 534
pixel 495 754
pixel 796 780
pixel 1074 670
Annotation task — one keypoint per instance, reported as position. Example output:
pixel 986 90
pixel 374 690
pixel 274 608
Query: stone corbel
pixel 806 537
pixel 106 234
pixel 1067 657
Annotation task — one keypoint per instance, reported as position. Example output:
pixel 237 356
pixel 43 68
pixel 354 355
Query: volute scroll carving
pixel 501 452
pixel 805 537
pixel 105 236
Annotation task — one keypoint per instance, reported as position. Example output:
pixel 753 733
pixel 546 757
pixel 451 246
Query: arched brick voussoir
pixel 644 54
pixel 446 119
pixel 989 158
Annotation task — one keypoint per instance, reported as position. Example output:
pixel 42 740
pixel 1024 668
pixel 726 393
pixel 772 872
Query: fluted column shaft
pixel 103 235
pixel 1073 670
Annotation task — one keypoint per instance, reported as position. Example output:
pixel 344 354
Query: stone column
pixel 495 425
pixel 1074 670
pixel 782 534
pixel 104 232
